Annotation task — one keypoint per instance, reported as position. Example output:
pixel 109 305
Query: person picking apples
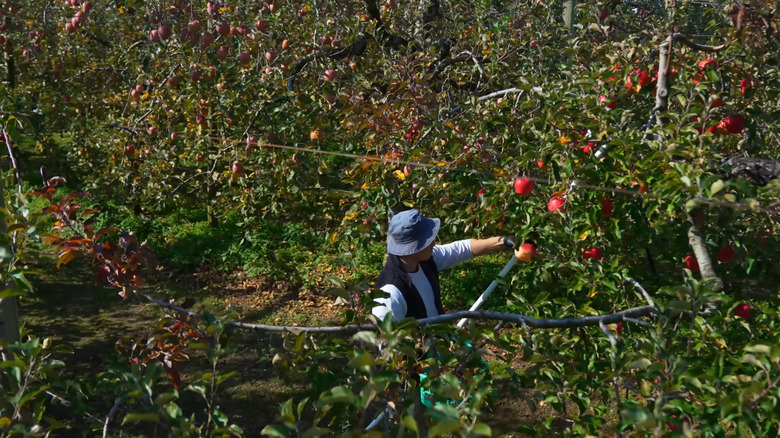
pixel 411 273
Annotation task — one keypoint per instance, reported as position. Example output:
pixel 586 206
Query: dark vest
pixel 394 274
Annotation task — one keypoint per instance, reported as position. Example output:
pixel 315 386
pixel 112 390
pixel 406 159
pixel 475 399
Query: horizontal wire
pixel 577 184
pixel 712 202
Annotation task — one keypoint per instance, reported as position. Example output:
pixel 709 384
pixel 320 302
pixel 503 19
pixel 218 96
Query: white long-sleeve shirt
pixel 445 257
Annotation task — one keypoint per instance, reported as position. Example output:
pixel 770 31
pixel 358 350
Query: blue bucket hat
pixel 410 232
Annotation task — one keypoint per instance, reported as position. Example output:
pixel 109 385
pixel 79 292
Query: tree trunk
pixel 569 14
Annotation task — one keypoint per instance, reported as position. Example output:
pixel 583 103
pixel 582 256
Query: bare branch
pixel 641 289
pixel 110 416
pixel 701 47
pixel 526 321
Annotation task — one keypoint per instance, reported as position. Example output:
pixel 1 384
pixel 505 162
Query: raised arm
pixel 491 245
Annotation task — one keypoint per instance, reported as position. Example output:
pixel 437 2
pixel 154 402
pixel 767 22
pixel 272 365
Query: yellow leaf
pixel 585 235
pixel 351 216
pixel 441 163
pixel 563 139
pixel 364 186
pixel 399 174
pixel 592 294
pixel 333 238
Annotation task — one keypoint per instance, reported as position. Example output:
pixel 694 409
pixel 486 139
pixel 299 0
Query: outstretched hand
pixel 508 241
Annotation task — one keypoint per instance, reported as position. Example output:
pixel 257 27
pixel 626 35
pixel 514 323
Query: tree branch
pixel 700 47
pixel 110 415
pixel 699 247
pixel 357 48
pixel 449 317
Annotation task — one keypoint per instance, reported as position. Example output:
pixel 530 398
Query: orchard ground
pixel 68 308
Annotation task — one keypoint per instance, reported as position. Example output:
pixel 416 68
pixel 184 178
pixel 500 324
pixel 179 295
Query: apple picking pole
pixel 489 289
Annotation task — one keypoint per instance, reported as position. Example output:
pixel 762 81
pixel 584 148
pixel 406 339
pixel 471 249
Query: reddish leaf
pixel 103 231
pixel 67 256
pixel 173 374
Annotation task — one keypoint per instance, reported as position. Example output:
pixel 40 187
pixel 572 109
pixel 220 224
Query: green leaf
pixel 316 432
pixel 275 431
pixel 362 361
pixel 338 394
pixel 444 427
pixel 636 415
pixel 639 364
pixel 410 423
pixel 134 417
pixel 716 187
pixel 759 348
pixel 481 429
pixel 366 336
pixel 287 411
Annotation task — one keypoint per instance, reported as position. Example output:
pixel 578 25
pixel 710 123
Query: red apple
pixel 212 8
pixel 540 164
pixel 193 26
pixel 708 63
pixel 164 31
pixel 245 58
pixel 173 81
pixel 523 186
pixel 716 103
pixel 315 135
pixel 592 253
pixel 726 254
pixel 261 25
pixel 526 252
pixel 130 149
pixel 199 157
pixel 285 44
pixel 556 203
pixel 222 53
pixel 206 40
pixel 174 136
pixel 742 311
pixel 691 263
pixel 330 75
pixel 533 44
pixel 152 130
pixel 238 167
pixel 223 28
pixel 733 123
pixel 86 7
pixel 745 85
pixel 271 55
pixel 70 28
pixel 606 207
pixel 644 78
